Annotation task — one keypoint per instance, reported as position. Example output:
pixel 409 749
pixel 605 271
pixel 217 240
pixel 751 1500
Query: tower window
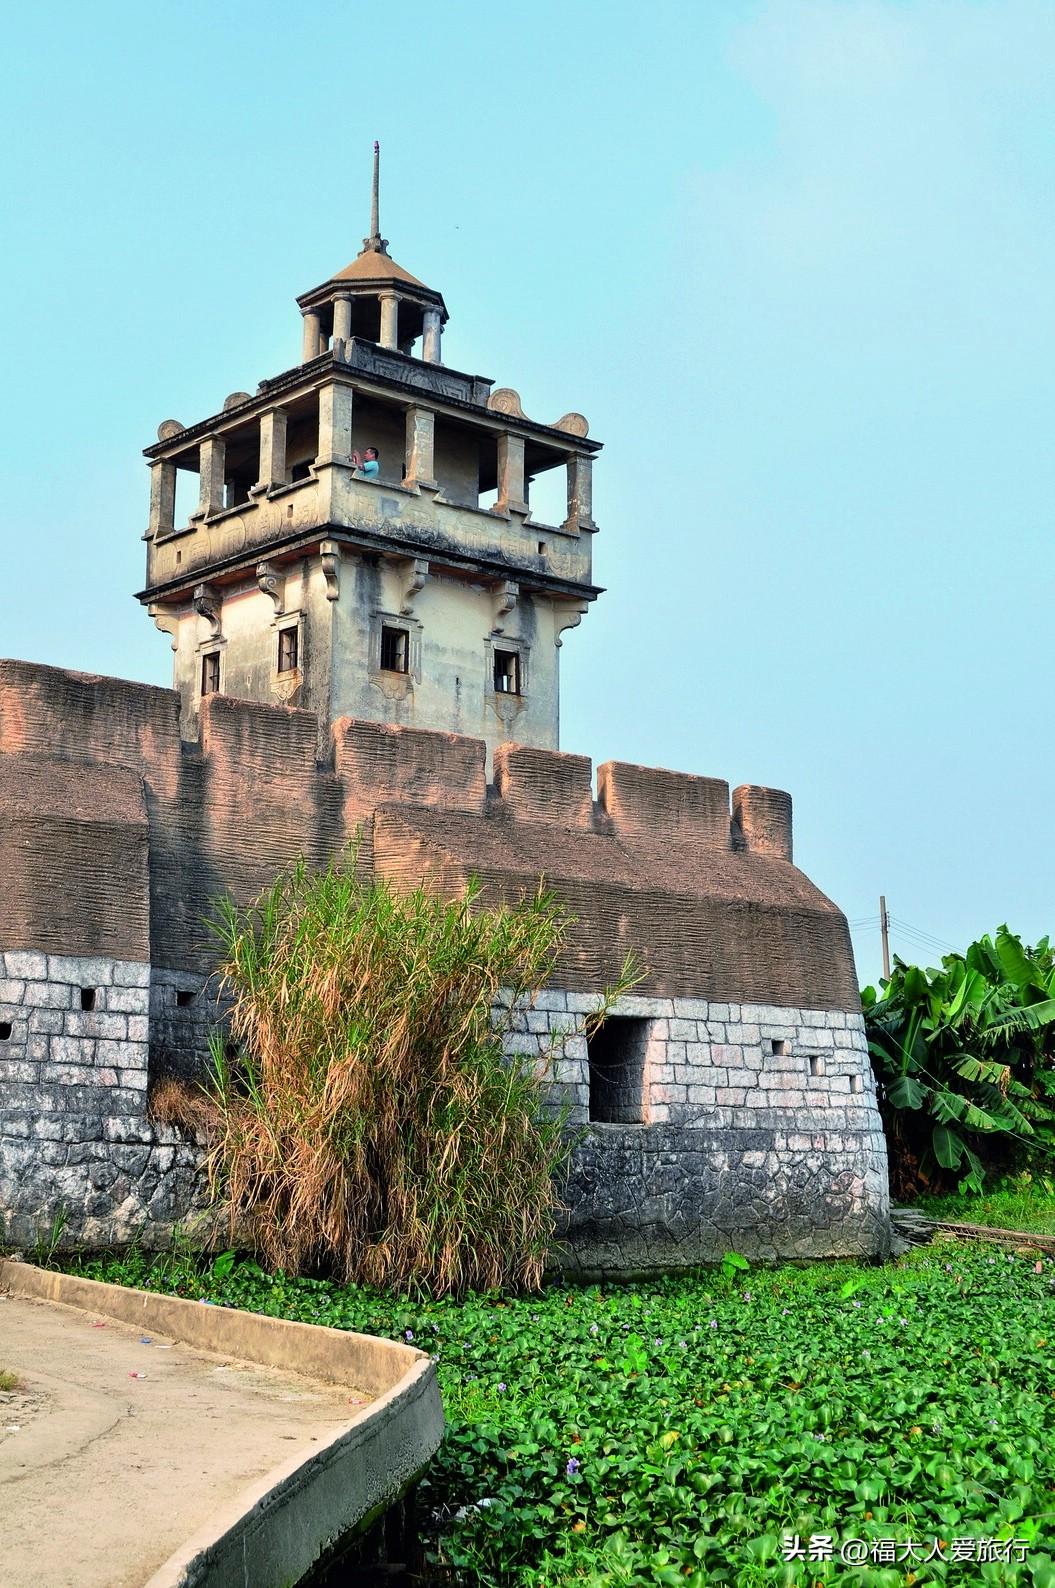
pixel 395 650
pixel 210 673
pixel 616 1053
pixel 87 998
pixel 507 673
pixel 288 650
pixel 5 1030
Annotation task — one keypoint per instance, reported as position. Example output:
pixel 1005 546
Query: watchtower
pixel 408 597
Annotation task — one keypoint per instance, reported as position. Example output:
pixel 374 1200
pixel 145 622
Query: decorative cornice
pixel 575 614
pixel 272 584
pixel 165 620
pixel 208 604
pixel 506 598
pixel 418 572
pixel 330 557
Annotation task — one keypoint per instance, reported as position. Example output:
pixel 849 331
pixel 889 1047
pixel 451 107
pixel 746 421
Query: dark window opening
pixel 816 1066
pixel 300 471
pixel 236 490
pixel 5 1030
pixel 616 1054
pixel 781 1048
pixel 288 648
pixel 507 673
pixel 395 650
pixel 210 673
pixel 856 1084
pixel 184 998
pixel 87 998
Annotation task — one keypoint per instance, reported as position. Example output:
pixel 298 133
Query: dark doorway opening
pixel 616 1054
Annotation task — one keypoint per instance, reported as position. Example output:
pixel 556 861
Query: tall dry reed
pixel 366 1119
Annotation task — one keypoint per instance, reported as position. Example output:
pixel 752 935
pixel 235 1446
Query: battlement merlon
pixel 662 863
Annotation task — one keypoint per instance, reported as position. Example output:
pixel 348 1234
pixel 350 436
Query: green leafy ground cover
pixel 1023 1203
pixel 671 1432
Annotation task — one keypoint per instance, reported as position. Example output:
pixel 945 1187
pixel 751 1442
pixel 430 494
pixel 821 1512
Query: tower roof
pixel 373 265
pixel 373 268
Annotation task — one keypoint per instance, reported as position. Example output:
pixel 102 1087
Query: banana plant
pixel 965 1060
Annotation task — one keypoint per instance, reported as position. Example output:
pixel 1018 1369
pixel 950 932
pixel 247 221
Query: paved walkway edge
pixel 271 1536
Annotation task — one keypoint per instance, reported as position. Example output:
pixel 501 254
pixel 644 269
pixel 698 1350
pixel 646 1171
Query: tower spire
pixel 375 243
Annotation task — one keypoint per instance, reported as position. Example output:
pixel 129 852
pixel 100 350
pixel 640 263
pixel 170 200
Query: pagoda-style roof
pixel 376 266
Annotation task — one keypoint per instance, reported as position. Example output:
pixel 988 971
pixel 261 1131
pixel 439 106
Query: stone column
pixel 335 424
pixel 430 343
pixel 342 319
pixel 389 320
pixel 212 456
pixel 511 497
pixel 312 337
pixel 580 492
pixel 272 451
pixel 162 496
pixel 421 447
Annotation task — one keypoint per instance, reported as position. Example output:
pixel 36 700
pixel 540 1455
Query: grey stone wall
pixel 728 1126
pixel 759 1131
pixel 75 1141
pixel 184 1011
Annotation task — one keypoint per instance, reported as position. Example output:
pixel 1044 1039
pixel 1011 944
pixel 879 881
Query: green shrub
pixel 363 1118
pixel 964 1056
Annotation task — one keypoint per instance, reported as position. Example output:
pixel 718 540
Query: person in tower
pixel 369 463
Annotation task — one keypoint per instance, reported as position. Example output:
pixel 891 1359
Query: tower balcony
pixel 453 483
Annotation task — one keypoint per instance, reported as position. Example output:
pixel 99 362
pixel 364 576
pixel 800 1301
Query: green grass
pixel 671 1432
pixel 1024 1203
pixel 9 1382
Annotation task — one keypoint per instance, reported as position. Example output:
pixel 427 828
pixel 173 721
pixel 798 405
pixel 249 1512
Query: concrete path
pixel 116 1450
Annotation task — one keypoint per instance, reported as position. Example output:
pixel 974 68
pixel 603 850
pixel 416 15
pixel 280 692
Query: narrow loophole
pixel 856 1084
pixel 782 1048
pixel 816 1066
pixel 87 998
pixel 184 999
pixel 5 1030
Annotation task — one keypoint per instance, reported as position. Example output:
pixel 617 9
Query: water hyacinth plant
pixel 364 1118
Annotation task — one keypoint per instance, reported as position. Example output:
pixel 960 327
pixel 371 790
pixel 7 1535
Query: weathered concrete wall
pixel 452 634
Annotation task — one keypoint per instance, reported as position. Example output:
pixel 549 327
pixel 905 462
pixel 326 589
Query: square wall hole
pixel 5 1030
pixel 184 998
pixel 781 1047
pixel 87 998
pixel 856 1084
pixel 816 1065
pixel 616 1054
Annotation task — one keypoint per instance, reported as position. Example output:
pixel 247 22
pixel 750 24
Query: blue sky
pixel 793 260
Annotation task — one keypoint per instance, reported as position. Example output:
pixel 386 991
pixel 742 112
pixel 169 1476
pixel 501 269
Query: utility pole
pixel 884 927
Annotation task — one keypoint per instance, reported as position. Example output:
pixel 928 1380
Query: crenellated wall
pixel 117 837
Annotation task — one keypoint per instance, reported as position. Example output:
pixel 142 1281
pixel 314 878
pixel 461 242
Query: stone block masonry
pixel 698 1126
pixel 757 1129
pixel 76 1146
